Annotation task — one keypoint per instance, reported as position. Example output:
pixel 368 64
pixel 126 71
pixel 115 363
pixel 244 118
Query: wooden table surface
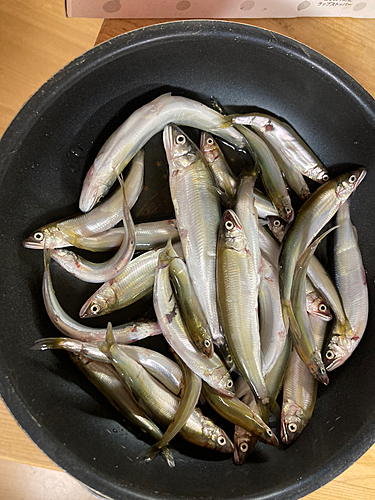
pixel 351 44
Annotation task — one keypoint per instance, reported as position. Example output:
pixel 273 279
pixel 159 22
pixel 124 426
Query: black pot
pixel 44 156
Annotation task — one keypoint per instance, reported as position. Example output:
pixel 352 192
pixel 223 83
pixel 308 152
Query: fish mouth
pixel 228 446
pixel 273 441
pixel 322 377
pixel 323 176
pixel 322 316
pixel 85 311
pixel 266 436
pixel 89 195
pixel 240 455
pixel 204 146
pixel 170 131
pixel 225 391
pixel 361 176
pixel 284 432
pixel 286 212
pixel 203 139
pixel 317 368
pixel 288 438
pixel 168 140
pixel 31 243
pixel 331 365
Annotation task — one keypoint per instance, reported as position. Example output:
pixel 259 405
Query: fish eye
pixel 229 358
pixel 269 432
pixel 322 308
pixel 292 427
pixel 180 139
pixel 221 440
pixel 325 178
pixel 277 223
pixel 288 210
pixel 330 354
pixel 210 141
pixel 230 384
pixel 207 343
pixel 229 225
pixel 244 447
pixel 322 371
pixel 39 236
pixel 352 179
pixel 95 309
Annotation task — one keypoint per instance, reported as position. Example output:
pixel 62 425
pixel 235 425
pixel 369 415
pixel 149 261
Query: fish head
pixel 317 368
pixel 316 306
pixel 209 146
pixel 180 150
pixel 216 438
pixel 46 237
pixel 244 444
pixel 100 303
pixel 225 356
pixel 285 209
pixel 347 183
pixel 204 339
pixel 268 437
pixel 263 432
pixel 338 350
pixel 95 185
pixel 293 421
pixel 320 174
pixel 230 231
pixel 278 227
pixel 245 119
pixel 221 379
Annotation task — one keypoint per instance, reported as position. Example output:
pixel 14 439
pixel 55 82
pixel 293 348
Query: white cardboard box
pixel 216 9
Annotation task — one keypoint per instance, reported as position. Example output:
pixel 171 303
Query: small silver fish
pixel 197 208
pixel 135 132
pixel 212 370
pixel 350 278
pixel 102 218
pixel 224 178
pixel 293 151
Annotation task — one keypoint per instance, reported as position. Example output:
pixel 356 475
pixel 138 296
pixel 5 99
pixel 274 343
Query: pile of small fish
pixel 231 297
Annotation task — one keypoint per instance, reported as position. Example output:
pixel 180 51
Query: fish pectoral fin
pixel 69 235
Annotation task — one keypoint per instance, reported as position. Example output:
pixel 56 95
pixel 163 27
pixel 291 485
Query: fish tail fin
pixel 167 254
pixel 167 454
pixel 151 452
pixel 155 450
pixel 169 250
pixel 51 343
pixel 217 106
pixel 110 340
